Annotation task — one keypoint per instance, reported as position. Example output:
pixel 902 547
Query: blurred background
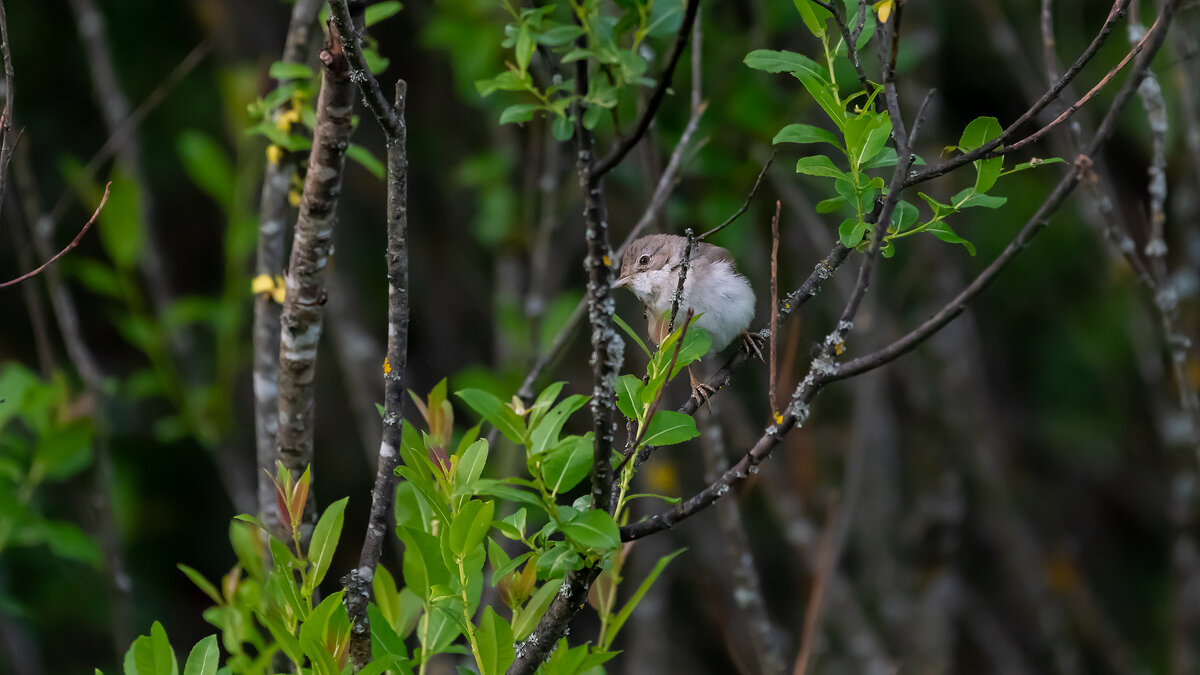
pixel 1016 496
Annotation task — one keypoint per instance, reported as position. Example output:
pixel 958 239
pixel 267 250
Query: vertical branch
pixel 382 497
pixel 7 142
pixel 312 244
pixel 771 386
pixel 272 222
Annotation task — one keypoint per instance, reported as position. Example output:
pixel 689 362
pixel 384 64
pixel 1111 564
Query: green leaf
pixel 520 112
pixel 559 35
pixel 121 225
pixel 939 209
pixel 496 488
pixel 470 526
pixel 696 344
pixel 562 129
pixel 978 132
pixel 203 584
pixel 830 205
pixel 383 588
pixel 814 16
pixel 619 620
pixel 385 641
pixel 495 638
pixel 287 70
pixel 155 656
pixel 204 658
pixel 368 161
pixel 873 141
pixel 423 564
pixel 851 231
pixel 805 133
pixel 631 333
pixel 506 81
pixel 545 435
pixel 470 464
pixel 495 412
pixel 669 427
pixel 969 198
pixel 567 464
pixel 380 11
pixel 885 157
pixel 903 216
pixel 524 48
pixel 208 165
pixel 325 539
pixel 62 452
pixel 1034 163
pixel 629 390
pixel 65 540
pixel 773 61
pixel 942 231
pixel 527 619
pixel 544 400
pixel 819 88
pixel 594 529
pixel 819 165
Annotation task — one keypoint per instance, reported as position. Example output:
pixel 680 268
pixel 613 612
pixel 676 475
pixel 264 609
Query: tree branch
pixel 312 245
pixel 272 224
pixel 388 117
pixel 73 244
pixel 358 582
pixel 624 145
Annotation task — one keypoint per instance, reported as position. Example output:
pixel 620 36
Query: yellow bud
pixel 294 197
pixel 387 367
pixel 274 153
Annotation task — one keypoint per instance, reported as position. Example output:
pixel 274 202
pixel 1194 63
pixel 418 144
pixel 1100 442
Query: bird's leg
pixel 701 390
pixel 753 343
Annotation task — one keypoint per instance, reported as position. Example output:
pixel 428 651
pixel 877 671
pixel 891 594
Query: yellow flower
pixel 268 286
pixel 294 197
pixel 387 366
pixel 274 153
pixel 285 120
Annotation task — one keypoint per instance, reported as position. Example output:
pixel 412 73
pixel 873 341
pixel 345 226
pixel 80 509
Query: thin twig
pixel 684 265
pixel 73 244
pixel 7 143
pixel 851 40
pixel 929 172
pixel 624 145
pixel 822 574
pixel 771 386
pixel 746 204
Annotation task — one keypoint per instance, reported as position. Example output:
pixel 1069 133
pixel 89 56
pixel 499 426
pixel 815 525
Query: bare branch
pixel 746 204
pixel 387 116
pixel 73 244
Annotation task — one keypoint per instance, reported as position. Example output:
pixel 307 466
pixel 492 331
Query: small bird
pixel 714 289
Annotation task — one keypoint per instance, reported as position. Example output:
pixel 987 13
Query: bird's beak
pixel 621 281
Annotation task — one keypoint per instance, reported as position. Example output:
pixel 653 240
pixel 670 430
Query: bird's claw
pixel 701 392
pixel 753 342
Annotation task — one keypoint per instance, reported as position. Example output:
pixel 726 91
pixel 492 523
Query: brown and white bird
pixel 713 289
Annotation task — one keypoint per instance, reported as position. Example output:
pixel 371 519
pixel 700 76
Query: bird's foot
pixel 753 344
pixel 701 391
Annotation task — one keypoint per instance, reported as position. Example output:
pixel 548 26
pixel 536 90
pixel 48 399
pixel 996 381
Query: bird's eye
pixel 645 260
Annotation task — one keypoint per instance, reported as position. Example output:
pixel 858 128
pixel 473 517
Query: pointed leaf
pixel 325 539
pixel 495 638
pixel 204 658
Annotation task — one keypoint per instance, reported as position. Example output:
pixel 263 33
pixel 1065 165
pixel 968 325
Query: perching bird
pixel 714 289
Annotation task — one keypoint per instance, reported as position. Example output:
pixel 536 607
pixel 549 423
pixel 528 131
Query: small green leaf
pixel 524 48
pixel 631 333
pixel 830 205
pixel 494 411
pixel 629 390
pixel 619 620
pixel 813 15
pixel 203 584
pixel 669 427
pixel 851 231
pixel 903 216
pixel 819 165
pixel 559 35
pixel 805 133
pixel 594 529
pixel 423 564
pixel 527 619
pixel 204 658
pixel 969 198
pixel 495 638
pixel 325 539
pixel 208 165
pixel 942 231
pixel 545 435
pixel 568 463
pixel 470 526
pixel 773 61
pixel 286 70
pixel 520 112
pixel 470 464
pixel 562 129
pixel 380 11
